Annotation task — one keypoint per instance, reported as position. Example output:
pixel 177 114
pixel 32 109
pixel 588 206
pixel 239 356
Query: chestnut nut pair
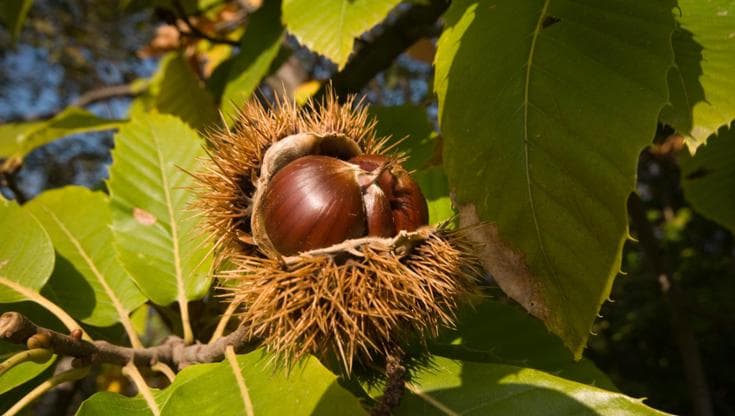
pixel 316 201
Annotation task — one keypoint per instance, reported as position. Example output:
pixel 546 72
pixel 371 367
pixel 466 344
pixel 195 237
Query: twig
pixel 18 329
pixel 104 93
pixel 395 386
pixel 64 317
pixel 379 54
pixel 685 337
pixel 194 31
pixel 47 385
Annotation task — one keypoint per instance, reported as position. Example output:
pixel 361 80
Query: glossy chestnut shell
pixel 317 201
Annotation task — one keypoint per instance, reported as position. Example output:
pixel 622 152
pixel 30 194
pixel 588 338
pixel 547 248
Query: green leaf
pixel 410 126
pixel 18 139
pixel 308 390
pixel 26 370
pixel 434 186
pixel 112 404
pixel 544 107
pixel 331 27
pixel 26 253
pixel 242 73
pixel 453 388
pixel 708 178
pixel 176 89
pixel 156 234
pixel 78 221
pixel 499 333
pixel 13 13
pixel 701 82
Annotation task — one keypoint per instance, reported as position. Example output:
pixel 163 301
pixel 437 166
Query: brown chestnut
pixel 317 201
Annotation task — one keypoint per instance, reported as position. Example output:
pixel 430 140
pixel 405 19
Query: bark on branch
pixel 18 329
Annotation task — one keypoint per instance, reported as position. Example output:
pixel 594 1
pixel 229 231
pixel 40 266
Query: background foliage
pixel 539 119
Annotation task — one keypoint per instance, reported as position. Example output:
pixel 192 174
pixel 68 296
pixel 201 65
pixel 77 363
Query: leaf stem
pixel 37 355
pixel 131 371
pixel 232 360
pixel 222 324
pixel 64 317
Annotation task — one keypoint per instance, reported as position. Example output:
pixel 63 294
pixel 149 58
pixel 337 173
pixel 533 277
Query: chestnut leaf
pixel 212 389
pixel 708 178
pixel 156 234
pixel 26 255
pixel 331 27
pixel 544 107
pixel 701 80
pixel 89 281
pixel 457 388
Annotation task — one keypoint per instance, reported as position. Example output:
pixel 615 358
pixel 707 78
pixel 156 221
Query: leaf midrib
pixel 119 308
pixel 526 163
pixel 180 291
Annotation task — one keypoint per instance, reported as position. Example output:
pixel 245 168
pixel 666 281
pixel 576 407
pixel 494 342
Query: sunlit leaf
pixel 544 107
pixel 156 233
pixel 308 390
pixel 18 139
pixel 701 82
pixel 92 284
pixel 331 27
pixel 26 253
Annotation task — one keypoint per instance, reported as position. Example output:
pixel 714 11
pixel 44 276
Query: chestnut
pixel 316 201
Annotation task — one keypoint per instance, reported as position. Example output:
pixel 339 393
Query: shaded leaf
pixel 78 221
pixel 410 125
pixel 238 77
pixel 708 178
pixel 702 86
pixel 13 13
pixel 18 139
pixel 331 28
pixel 453 388
pixel 155 232
pixel 500 333
pixel 542 136
pixel 176 89
pixel 26 253
pixel 23 372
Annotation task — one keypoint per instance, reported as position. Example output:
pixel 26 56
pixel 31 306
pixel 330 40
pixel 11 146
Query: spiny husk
pixel 358 306
pixel 226 185
pixel 359 302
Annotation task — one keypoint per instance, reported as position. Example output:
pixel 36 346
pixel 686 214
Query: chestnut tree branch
pixel 18 329
pixel 419 20
pixel 105 93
